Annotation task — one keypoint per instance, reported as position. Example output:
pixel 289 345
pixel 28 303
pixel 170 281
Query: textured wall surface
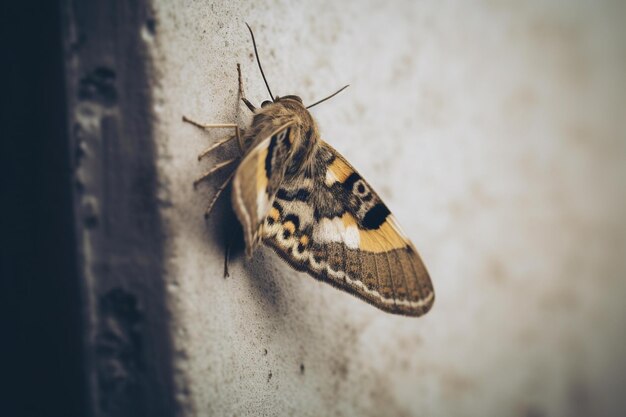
pixel 126 357
pixel 494 131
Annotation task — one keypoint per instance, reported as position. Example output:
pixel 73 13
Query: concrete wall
pixel 493 130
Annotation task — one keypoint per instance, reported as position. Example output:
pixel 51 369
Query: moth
pixel 296 194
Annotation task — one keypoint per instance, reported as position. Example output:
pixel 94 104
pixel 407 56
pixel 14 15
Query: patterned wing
pixel 257 178
pixel 332 225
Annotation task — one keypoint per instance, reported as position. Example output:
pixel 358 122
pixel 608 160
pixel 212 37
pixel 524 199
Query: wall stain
pixel 118 350
pixel 98 86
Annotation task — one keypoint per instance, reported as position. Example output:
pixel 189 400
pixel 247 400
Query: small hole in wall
pixel 151 25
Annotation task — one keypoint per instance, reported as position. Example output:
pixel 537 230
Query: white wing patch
pixel 334 230
pixel 331 178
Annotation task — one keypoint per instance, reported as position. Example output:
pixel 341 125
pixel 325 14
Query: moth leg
pixel 241 93
pixel 214 146
pixel 227 258
pixel 207 212
pixel 217 126
pixel 214 170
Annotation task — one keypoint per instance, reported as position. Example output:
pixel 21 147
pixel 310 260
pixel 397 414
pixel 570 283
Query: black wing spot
pixel 270 155
pixel 348 184
pixel 301 194
pixel 376 216
pixel 282 194
pixel 278 207
pixel 294 219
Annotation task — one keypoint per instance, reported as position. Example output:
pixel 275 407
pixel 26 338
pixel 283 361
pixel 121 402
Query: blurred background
pixel 494 131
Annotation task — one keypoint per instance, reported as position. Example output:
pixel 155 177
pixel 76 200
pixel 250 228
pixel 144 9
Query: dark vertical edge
pixel 41 349
pixel 120 236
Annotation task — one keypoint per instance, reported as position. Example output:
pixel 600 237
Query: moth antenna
pixel 256 53
pixel 329 97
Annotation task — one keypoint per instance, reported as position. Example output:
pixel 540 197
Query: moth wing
pixel 257 178
pixel 335 227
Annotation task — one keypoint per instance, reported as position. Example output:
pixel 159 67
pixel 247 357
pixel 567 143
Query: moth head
pixel 284 99
pixel 291 97
pixel 294 98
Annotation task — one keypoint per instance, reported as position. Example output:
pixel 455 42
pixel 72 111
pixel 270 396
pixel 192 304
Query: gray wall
pixel 495 133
